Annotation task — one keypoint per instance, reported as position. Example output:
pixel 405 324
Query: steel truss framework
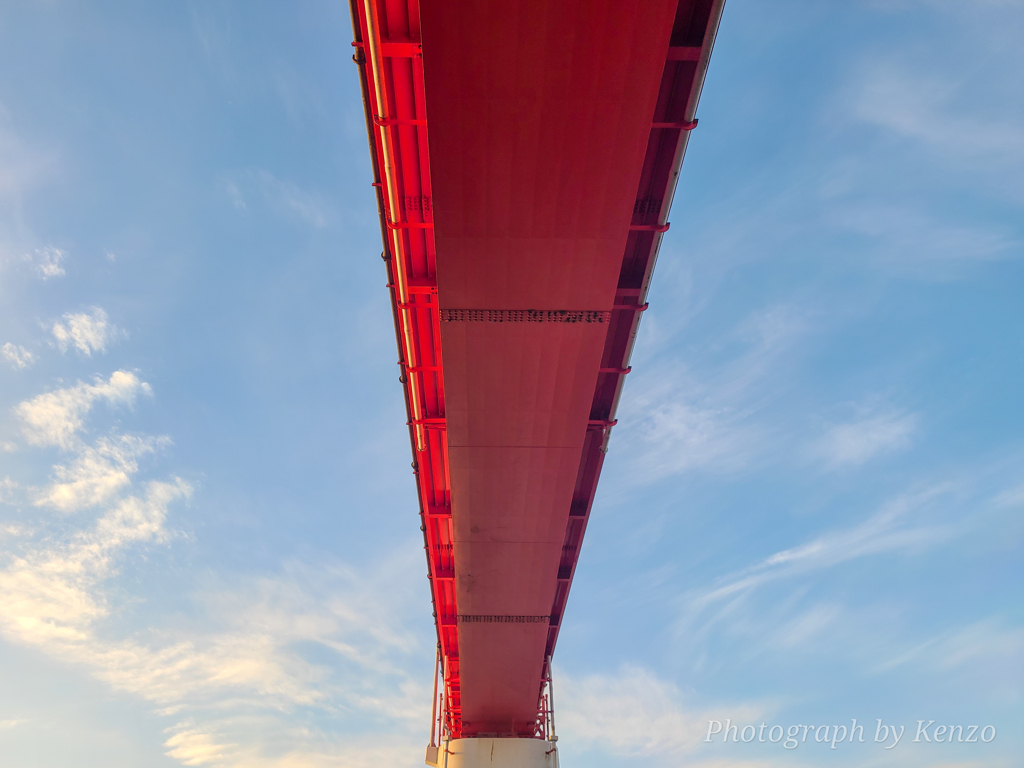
pixel 388 52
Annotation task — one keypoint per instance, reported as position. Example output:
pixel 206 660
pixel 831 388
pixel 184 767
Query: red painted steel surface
pixel 539 116
pixel 525 155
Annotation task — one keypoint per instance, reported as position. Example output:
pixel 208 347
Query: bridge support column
pixel 496 753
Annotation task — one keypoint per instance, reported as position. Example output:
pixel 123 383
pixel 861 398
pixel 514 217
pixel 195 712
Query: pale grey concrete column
pixel 497 753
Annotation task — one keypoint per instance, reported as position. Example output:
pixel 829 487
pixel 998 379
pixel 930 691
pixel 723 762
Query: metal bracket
pixel 648 227
pixel 681 126
pixel 383 122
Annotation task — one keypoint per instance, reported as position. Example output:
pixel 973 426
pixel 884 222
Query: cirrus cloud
pixel 47 262
pixel 18 357
pixel 97 473
pixel 857 442
pixel 87 332
pixel 53 418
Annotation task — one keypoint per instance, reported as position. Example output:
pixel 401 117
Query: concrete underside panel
pixel 498 753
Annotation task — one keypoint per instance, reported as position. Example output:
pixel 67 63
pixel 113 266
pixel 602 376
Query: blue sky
pixel 811 510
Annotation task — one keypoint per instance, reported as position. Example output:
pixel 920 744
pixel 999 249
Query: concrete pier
pixel 495 753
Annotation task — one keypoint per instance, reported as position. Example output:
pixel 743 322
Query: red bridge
pixel 525 155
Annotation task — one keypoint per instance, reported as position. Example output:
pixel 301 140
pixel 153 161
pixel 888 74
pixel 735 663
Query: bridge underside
pixel 525 153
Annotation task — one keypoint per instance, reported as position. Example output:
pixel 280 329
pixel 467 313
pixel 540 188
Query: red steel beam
pixel 389 55
pixel 389 51
pixel 693 38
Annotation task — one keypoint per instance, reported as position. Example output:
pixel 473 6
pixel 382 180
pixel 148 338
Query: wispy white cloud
pixel 87 332
pixel 53 596
pixel 54 418
pixel 237 199
pixel 678 431
pixel 97 472
pixel 786 606
pixel 191 746
pixel 989 653
pixel 47 262
pixel 806 627
pixel 678 419
pixel 890 529
pixel 18 357
pixel 238 678
pixel 988 641
pixel 856 442
pixel 330 638
pixel 959 130
pixel 906 239
pixel 633 713
pixel 1014 497
pixel 926 109
pixel 49 596
pixel 11 530
pixel 213 743
pixel 7 489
